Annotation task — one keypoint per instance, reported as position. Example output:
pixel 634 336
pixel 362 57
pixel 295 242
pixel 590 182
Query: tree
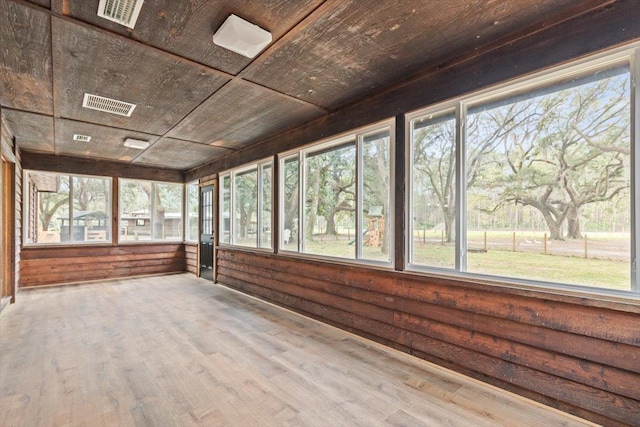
pixel 569 148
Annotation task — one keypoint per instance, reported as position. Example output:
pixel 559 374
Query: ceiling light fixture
pixel 138 144
pixel 241 36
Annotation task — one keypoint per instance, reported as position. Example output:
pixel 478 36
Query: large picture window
pixel 246 206
pixel 345 189
pixel 529 182
pixel 150 210
pixel 65 209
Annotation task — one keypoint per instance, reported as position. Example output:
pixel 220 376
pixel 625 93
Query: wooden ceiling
pixel 196 101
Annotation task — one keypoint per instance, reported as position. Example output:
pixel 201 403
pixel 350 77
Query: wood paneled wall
pixel 579 355
pixel 191 258
pixel 54 265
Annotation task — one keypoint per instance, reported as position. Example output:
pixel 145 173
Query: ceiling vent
pixel 124 12
pixel 81 138
pixel 108 105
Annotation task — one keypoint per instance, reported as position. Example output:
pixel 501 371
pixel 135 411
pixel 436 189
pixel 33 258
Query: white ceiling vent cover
pixel 81 138
pixel 124 12
pixel 108 105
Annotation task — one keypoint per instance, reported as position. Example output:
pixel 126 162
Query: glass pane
pixel 433 191
pixel 192 212
pixel 52 205
pixel 330 206
pixel 245 205
pixel 91 209
pixel 225 210
pixel 135 210
pixel 167 211
pixel 265 215
pixel 376 197
pixel 290 205
pixel 548 176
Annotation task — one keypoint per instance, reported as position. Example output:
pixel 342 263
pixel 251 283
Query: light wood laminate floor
pixel 178 351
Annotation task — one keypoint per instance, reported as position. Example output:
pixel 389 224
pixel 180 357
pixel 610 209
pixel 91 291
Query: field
pixel 606 264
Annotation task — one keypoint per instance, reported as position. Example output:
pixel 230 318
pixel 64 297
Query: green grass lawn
pixel 575 270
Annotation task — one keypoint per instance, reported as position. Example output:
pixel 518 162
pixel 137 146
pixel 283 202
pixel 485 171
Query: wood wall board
pixel 337 281
pixel 191 258
pixel 351 49
pixel 554 45
pixel 165 88
pixel 178 154
pixel 186 28
pixel 25 58
pixel 50 265
pixel 32 131
pixel 88 166
pixel 472 326
pixel 244 113
pixel 106 142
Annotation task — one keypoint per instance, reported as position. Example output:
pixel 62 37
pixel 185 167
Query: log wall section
pixel 49 266
pixel 581 356
pixel 191 258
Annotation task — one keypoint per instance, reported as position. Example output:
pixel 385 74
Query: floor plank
pixel 176 350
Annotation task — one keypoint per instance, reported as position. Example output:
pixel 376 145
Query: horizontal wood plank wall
pixel 55 265
pixel 191 258
pixel 580 357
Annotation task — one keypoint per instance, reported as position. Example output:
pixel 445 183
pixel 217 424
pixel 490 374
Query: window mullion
pixel 359 195
pixel 71 196
pixel 461 188
pixel 302 176
pixel 635 176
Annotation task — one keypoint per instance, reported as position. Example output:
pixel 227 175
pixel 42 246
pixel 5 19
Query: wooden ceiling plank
pixel 348 50
pixel 244 113
pixel 177 154
pixel 165 88
pixel 25 58
pixel 32 131
pixel 106 142
pixel 186 28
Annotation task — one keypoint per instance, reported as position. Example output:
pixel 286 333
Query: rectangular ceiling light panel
pixel 136 143
pixel 124 12
pixel 241 36
pixel 107 105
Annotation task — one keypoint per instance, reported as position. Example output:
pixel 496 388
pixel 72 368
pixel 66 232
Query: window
pixel 245 201
pixel 67 208
pixel 345 185
pixel 150 210
pixel 191 209
pixel 530 182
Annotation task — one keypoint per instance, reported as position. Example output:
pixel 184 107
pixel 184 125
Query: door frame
pixel 214 226
pixel 8 228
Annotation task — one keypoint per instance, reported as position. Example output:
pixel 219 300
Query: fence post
pixel 545 243
pixel 442 237
pixel 513 242
pixel 485 241
pixel 585 246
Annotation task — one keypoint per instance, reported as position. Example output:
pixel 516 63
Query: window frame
pixel 185 216
pixel 179 239
pixel 27 208
pixel 629 55
pixel 231 174
pixel 357 137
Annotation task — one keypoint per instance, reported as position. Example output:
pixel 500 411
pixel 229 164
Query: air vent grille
pixel 124 12
pixel 81 138
pixel 108 105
